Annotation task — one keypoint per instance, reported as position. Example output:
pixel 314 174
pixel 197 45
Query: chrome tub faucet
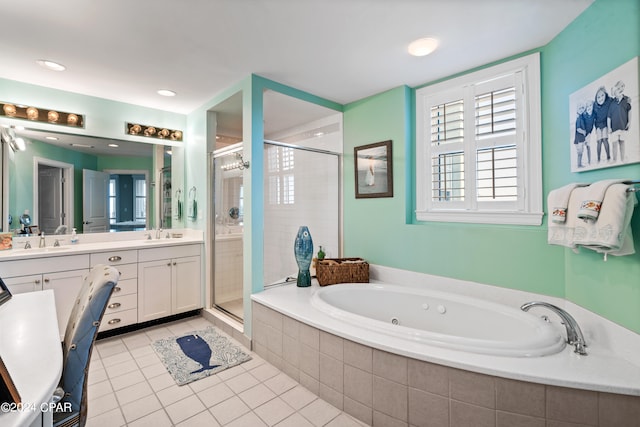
pixel 574 334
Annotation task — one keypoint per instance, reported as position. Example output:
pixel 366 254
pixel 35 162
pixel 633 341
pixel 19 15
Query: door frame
pixel 68 195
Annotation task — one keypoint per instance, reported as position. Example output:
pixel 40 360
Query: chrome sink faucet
pixel 574 334
pixel 158 232
pixel 43 242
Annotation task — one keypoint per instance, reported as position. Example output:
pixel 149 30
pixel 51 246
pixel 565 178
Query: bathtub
pixel 440 319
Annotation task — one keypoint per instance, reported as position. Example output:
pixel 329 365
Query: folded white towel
pixel 590 206
pixel 558 202
pixel 611 233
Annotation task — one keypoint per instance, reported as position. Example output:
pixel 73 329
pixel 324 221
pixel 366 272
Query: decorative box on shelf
pixel 330 271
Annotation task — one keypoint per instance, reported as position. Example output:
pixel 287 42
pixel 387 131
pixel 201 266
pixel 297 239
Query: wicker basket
pixel 330 271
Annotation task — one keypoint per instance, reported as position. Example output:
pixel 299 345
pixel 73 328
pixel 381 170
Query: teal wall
pixel 385 232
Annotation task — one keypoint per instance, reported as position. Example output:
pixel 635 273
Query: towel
pixel 611 233
pixel 591 205
pixel 558 202
pixel 562 233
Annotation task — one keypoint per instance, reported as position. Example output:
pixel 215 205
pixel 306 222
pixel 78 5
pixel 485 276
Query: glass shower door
pixel 228 232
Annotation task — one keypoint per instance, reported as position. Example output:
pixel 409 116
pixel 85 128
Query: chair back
pixel 79 337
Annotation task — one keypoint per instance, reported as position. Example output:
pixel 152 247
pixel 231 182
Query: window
pixel 113 197
pixel 140 198
pixel 280 173
pixel 478 147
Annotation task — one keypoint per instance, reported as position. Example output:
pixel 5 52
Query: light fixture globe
pixel 423 46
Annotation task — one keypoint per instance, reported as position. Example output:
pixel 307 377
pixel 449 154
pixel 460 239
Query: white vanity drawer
pixel 169 252
pixel 119 319
pixel 114 257
pixel 121 303
pixel 127 271
pixel 125 287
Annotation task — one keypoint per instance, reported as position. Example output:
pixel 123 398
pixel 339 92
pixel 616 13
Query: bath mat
pixel 198 354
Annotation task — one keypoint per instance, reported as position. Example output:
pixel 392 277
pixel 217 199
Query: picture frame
pixel 607 109
pixel 5 294
pixel 8 391
pixel 373 170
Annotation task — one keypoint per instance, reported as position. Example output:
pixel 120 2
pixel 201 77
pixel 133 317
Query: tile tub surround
pixel 385 389
pixel 611 365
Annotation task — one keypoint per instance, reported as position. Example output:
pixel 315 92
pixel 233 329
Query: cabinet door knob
pixel 117 289
pixel 115 258
pixel 174 263
pixel 37 281
pixel 168 264
pixel 46 280
pixel 114 305
pixel 114 321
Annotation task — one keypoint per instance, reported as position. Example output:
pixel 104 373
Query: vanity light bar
pixel 153 132
pixel 37 114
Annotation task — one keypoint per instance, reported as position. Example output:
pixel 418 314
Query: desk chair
pixel 79 337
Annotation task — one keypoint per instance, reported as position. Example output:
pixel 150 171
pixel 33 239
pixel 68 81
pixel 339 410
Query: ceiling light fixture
pixel 114 145
pixel 166 92
pixel 423 47
pixel 81 145
pixel 51 138
pixel 50 65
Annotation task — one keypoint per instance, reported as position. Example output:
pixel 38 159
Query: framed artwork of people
pixel 605 121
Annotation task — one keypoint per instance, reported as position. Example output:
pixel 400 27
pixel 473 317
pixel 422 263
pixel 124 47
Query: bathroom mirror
pixel 60 178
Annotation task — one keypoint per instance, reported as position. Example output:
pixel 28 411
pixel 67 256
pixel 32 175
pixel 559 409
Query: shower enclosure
pixel 228 230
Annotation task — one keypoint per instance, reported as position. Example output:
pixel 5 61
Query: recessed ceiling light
pixel 51 65
pixel 114 145
pixel 51 138
pixel 81 145
pixel 423 47
pixel 166 92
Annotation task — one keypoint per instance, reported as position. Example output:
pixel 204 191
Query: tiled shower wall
pixel 384 389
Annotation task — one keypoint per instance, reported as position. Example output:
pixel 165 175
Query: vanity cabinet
pixel 122 309
pixel 169 281
pixel 63 274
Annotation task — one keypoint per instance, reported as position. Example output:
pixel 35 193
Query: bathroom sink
pixel 49 249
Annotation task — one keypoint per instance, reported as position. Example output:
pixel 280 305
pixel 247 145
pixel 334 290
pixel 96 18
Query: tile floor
pixel 129 386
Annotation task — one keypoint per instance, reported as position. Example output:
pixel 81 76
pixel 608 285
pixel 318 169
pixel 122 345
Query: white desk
pixel 31 350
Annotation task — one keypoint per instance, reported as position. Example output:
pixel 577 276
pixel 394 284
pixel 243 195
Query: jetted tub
pixel 440 319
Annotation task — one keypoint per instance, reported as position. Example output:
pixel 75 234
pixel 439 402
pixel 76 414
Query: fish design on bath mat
pixel 197 349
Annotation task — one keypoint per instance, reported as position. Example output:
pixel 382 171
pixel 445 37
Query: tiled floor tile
pixel 319 412
pixel 112 418
pixel 295 420
pixel 141 407
pixel 274 411
pixel 204 418
pixel 184 409
pixel 154 419
pixel 229 410
pixel 298 397
pixel 256 396
pixel 129 386
pixel 215 395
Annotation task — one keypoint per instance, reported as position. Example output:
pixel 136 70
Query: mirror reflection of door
pixel 50 194
pixel 95 190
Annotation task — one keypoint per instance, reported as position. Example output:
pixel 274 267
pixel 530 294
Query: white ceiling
pixel 341 50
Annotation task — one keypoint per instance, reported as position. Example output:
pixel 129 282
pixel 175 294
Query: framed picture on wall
pixel 605 121
pixel 374 170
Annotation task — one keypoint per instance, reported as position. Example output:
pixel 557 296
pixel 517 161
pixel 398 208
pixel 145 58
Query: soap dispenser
pixel 74 236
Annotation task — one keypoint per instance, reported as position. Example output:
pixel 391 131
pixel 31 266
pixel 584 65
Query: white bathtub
pixel 440 319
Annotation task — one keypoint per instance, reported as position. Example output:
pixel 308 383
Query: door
pixel 50 214
pixel 95 191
